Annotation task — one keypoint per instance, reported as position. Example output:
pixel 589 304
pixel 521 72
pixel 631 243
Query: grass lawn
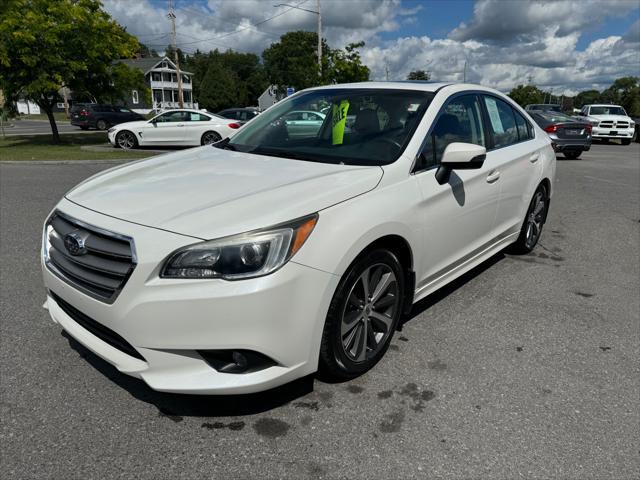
pixel 39 147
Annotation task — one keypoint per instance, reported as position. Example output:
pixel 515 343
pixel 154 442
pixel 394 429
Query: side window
pixel 503 123
pixel 134 97
pixel 523 127
pixel 459 121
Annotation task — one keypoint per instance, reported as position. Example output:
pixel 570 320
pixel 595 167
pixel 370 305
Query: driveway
pixel 525 367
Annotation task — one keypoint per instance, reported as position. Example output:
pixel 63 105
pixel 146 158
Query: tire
pixel 572 154
pixel 210 137
pixel 126 140
pixel 636 134
pixel 84 128
pixel 625 141
pixel 102 125
pixel 357 332
pixel 533 223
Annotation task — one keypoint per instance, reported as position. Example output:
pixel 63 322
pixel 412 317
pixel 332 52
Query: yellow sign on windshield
pixel 338 121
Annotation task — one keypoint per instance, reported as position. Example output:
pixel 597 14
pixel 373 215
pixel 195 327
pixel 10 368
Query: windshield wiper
pixel 224 144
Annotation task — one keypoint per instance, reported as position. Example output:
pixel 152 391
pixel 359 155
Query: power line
pixel 246 28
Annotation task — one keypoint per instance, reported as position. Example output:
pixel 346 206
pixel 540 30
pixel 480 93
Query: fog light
pixel 236 361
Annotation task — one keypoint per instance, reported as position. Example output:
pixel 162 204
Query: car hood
pixel 208 192
pixel 134 124
pixel 615 118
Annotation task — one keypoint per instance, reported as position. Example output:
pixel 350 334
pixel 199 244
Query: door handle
pixel 493 176
pixel 534 158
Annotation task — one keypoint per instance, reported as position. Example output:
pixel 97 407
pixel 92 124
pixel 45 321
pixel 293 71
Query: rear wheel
pixel 210 137
pixel 572 154
pixel 126 140
pixel 533 222
pixel 102 125
pixel 363 315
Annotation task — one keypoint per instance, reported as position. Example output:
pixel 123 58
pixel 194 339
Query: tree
pixel 526 95
pixel 345 66
pixel 293 61
pixel 46 45
pixel 146 52
pixel 624 91
pixel 585 98
pixel 419 75
pixel 218 89
pixel 118 84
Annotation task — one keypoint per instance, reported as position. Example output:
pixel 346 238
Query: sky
pixel 563 45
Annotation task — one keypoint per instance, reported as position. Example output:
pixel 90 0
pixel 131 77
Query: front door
pixel 457 217
pixel 165 129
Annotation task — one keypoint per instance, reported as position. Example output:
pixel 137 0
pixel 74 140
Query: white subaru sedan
pixel 239 266
pixel 172 128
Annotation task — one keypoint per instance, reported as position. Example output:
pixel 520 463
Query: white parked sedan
pixel 240 266
pixel 173 128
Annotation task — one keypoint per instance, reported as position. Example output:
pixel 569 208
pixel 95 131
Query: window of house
pixel 134 97
pixel 502 121
pixel 459 121
pixel 186 79
pixel 156 76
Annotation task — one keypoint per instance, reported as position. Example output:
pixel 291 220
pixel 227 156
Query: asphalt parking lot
pixel 526 367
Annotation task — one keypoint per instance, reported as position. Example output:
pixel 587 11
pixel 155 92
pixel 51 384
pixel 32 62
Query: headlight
pixel 111 130
pixel 247 255
pixel 594 123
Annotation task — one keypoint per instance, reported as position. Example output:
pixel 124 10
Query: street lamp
pixel 316 12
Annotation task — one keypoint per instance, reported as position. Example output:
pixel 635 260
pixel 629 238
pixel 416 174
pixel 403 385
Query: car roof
pixel 192 110
pixel 397 85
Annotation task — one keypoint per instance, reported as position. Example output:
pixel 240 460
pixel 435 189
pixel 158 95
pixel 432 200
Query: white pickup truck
pixel 608 121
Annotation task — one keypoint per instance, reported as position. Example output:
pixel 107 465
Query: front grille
pixel 622 124
pixel 606 124
pixel 100 268
pixel 103 333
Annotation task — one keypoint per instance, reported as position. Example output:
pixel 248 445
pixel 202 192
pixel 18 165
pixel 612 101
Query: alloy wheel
pixel 126 140
pixel 535 218
pixel 210 137
pixel 368 315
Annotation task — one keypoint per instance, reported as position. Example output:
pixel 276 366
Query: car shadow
pixel 432 299
pixel 176 406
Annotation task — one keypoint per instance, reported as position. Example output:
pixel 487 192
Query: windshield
pixel 607 111
pixel 350 126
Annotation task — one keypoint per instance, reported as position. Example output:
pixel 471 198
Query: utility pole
pixel 464 76
pixel 172 17
pixel 386 70
pixel 319 39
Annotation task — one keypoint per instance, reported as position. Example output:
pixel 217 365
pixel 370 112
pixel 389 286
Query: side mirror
pixel 460 156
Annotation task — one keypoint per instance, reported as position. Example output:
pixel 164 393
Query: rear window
pixel 556 117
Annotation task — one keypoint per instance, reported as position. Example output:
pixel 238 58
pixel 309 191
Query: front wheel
pixel 533 223
pixel 363 315
pixel 126 140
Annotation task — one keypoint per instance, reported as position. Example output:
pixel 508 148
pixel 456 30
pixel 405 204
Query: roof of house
pixel 148 63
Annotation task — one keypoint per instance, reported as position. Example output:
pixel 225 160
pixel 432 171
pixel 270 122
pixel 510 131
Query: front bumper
pixel 111 136
pixel 598 132
pixel 168 320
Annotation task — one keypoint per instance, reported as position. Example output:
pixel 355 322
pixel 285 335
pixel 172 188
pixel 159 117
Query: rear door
pixel 195 125
pixel 515 157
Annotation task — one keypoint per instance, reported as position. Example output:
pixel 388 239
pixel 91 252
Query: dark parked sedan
pixel 242 115
pixel 101 117
pixel 568 135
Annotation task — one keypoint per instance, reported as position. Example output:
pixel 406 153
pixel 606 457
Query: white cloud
pixel 506 43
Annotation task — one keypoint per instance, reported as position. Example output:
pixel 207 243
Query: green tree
pixel 585 98
pixel 419 75
pixel 293 61
pixel 624 91
pixel 218 88
pixel 526 94
pixel 49 44
pixel 345 66
pixel 117 85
